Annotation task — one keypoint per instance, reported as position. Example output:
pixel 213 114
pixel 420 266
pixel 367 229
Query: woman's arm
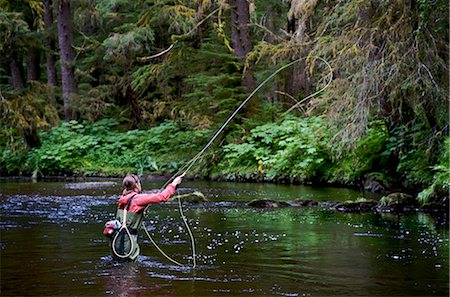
pixel 163 196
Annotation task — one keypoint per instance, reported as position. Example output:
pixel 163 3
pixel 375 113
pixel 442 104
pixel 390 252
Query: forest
pixel 106 87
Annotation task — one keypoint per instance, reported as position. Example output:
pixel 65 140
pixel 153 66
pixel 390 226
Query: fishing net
pixel 123 243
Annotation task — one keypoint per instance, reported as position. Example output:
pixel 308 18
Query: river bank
pixel 295 151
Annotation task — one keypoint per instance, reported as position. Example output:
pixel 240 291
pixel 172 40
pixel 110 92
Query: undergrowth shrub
pixel 13 162
pixel 100 149
pixel 367 157
pixel 295 149
pixel 439 188
pixel 412 148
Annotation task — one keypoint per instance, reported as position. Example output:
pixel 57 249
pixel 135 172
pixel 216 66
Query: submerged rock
pixel 304 202
pixel 267 203
pixel 361 205
pixel 397 202
pixel 329 204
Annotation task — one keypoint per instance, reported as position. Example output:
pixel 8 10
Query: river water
pixel 52 244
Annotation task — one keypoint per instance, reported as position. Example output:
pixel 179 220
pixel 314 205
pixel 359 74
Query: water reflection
pixel 122 279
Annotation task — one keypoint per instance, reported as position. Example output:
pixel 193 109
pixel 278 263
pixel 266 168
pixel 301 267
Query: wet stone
pixel 267 203
pixel 329 204
pixel 356 206
pixel 397 202
pixel 304 202
pixel 373 185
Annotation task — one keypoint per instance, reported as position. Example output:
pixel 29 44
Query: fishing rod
pixel 188 165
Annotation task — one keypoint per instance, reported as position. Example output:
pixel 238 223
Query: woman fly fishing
pixel 130 214
pixel 123 230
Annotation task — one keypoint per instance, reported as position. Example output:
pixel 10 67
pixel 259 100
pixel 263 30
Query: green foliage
pixel 14 161
pixel 439 188
pixel 196 85
pixel 367 157
pixel 218 90
pixel 81 148
pixel 123 48
pixel 384 67
pixel 25 112
pixel 295 149
pixel 412 147
pixel 13 30
pixel 428 9
pixel 62 149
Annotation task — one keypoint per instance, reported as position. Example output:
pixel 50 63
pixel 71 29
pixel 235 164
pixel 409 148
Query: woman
pixel 132 204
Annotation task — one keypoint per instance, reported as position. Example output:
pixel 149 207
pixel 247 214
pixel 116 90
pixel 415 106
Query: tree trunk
pixel 91 27
pixel 270 22
pixel 291 24
pixel 33 59
pixel 242 45
pixel 240 35
pixel 297 81
pixel 30 136
pixel 33 53
pixel 51 60
pixel 18 79
pixel 67 55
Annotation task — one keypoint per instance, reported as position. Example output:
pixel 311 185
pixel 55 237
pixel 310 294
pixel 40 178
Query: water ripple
pixel 54 208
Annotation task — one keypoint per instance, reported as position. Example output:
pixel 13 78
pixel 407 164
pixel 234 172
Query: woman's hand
pixel 178 180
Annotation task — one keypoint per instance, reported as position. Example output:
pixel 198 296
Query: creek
pixel 52 244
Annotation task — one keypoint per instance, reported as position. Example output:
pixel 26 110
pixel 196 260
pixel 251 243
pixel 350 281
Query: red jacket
pixel 140 201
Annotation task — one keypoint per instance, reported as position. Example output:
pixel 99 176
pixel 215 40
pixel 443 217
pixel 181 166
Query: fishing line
pixel 188 165
pixel 157 247
pixel 145 59
pixel 183 217
pixel 315 93
pixel 189 230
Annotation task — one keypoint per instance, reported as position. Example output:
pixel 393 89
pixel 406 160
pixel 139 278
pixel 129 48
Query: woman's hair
pixel 130 181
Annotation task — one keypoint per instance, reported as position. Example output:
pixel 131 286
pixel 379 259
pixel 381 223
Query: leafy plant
pixel 82 148
pixel 295 148
pixel 439 188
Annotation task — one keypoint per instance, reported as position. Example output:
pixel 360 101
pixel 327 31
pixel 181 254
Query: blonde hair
pixel 130 182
